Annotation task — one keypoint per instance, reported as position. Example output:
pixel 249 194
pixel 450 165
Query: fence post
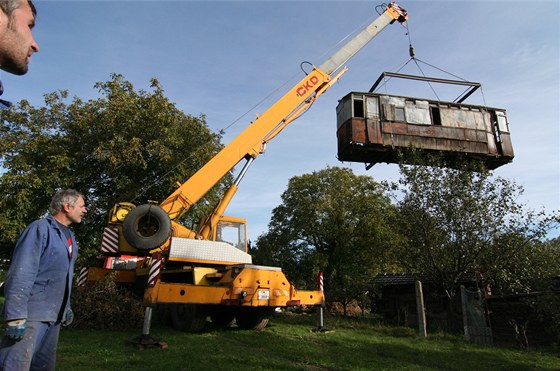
pixel 421 310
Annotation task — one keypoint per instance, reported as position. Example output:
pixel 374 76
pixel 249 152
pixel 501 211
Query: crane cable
pixel 413 58
pixel 416 61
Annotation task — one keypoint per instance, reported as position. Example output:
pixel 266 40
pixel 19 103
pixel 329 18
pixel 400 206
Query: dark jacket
pixel 40 276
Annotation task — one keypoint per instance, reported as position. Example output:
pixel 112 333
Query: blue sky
pixel 220 58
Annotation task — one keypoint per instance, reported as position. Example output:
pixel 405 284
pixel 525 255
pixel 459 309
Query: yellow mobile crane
pixel 196 274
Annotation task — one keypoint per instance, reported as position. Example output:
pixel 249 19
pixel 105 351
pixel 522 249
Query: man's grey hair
pixel 67 196
pixel 8 6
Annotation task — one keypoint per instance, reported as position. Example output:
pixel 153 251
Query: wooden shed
pixel 397 302
pixel 374 127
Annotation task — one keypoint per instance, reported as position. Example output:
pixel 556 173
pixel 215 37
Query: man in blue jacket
pixel 38 284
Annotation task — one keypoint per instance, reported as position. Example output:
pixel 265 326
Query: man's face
pixel 16 39
pixel 75 212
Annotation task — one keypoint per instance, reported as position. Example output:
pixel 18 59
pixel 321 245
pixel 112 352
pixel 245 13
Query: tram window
pixel 399 114
pixel 436 117
pixel 359 108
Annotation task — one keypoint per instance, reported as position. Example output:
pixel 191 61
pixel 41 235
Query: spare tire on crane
pixel 146 227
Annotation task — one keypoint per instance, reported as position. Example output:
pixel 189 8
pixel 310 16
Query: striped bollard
pixel 153 276
pixel 320 285
pixel 82 277
pixel 155 269
pixel 146 340
pixel 110 240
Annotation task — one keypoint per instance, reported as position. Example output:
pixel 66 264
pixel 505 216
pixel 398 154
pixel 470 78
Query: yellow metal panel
pixel 165 292
pixel 315 297
pixel 244 290
pixel 119 212
pixel 122 276
pixel 200 275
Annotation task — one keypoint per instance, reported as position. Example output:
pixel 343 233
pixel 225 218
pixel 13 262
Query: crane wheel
pixel 253 318
pixel 146 227
pixel 188 317
pixel 222 317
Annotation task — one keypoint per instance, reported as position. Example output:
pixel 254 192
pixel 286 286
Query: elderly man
pixel 38 286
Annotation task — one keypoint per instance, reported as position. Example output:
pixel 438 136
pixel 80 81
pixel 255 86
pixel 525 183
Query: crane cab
pixel 233 231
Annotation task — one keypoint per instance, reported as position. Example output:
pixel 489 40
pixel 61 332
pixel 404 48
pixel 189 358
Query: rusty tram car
pixel 374 127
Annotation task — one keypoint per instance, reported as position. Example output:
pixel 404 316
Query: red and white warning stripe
pixel 320 282
pixel 398 9
pixel 155 269
pixel 82 277
pixel 110 240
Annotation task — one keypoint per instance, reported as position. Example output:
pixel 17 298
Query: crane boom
pixel 249 143
pixel 392 13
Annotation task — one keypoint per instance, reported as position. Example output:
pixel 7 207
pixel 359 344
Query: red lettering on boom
pixel 307 86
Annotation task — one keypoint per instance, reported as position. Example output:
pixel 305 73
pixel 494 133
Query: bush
pixel 548 312
pixel 106 305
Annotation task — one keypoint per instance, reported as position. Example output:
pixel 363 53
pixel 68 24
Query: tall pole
pixel 421 310
pixel 321 319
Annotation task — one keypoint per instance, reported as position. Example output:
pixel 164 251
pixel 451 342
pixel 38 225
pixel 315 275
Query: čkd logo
pixel 307 85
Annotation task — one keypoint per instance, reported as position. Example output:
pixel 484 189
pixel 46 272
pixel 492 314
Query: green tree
pixel 331 221
pixel 458 221
pixel 127 145
pixel 548 306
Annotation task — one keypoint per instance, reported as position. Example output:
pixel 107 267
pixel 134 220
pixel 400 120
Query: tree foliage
pixel 461 221
pixel 127 145
pixel 331 221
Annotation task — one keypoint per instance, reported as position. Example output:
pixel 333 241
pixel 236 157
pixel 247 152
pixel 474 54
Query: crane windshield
pixel 232 232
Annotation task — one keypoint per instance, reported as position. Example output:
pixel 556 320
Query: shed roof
pixel 395 278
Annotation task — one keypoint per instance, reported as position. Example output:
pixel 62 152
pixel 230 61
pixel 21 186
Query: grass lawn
pixel 289 343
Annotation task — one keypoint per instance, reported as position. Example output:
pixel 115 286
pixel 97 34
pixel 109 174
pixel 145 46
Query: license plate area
pixel 263 295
